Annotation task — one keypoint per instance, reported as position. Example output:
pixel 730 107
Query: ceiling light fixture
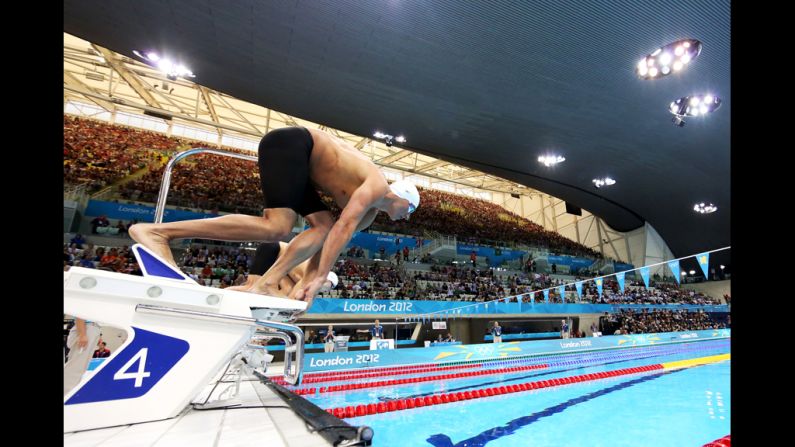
pixel 696 105
pixel 550 160
pixel 704 208
pixel 606 181
pixel 670 58
pixel 171 69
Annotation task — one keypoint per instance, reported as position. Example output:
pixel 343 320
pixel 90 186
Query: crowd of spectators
pixel 378 280
pixel 115 259
pixel 474 221
pixel 386 280
pixel 216 266
pixel 658 293
pixel 101 154
pixel 366 279
pixel 644 321
pixel 204 181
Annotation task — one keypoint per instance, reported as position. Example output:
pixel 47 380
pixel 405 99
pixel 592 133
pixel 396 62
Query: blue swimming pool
pixel 687 405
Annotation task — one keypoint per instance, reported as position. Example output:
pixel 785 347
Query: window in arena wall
pixel 141 121
pixel 485 195
pixel 194 133
pixel 419 181
pixel 240 143
pixel 392 176
pixel 466 191
pixel 444 186
pixel 87 110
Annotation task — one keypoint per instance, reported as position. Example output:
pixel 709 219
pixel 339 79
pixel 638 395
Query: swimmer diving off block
pixel 293 161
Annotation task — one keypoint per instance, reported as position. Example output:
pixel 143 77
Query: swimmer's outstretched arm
pixel 362 201
pixel 305 245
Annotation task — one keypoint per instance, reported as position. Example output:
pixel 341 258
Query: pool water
pixel 664 407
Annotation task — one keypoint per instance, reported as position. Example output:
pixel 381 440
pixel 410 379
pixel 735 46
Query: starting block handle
pixel 293 351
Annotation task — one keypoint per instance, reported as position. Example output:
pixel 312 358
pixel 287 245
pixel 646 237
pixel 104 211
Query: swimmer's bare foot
pixel 267 289
pixel 146 235
pixel 246 286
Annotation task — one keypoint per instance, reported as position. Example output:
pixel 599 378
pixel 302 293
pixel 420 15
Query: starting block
pixel 180 335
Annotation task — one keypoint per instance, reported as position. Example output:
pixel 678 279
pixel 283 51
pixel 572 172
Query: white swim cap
pixel 406 190
pixel 333 278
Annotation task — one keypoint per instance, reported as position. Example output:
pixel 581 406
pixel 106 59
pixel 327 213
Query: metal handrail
pixel 166 182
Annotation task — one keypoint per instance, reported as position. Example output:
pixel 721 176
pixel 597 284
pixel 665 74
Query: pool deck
pixel 272 423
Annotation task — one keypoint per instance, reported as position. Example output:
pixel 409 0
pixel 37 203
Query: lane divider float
pixel 444 398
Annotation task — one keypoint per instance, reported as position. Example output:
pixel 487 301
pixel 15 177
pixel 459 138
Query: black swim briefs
pixel 284 171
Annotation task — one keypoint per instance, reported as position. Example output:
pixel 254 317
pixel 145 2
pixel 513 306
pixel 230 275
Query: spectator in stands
pixel 89 250
pixel 78 240
pixel 68 258
pixel 111 260
pixel 406 253
pixel 102 351
pixel 101 221
pixel 311 338
pixel 74 251
pixel 473 258
pixel 132 268
pixel 86 261
pixel 98 254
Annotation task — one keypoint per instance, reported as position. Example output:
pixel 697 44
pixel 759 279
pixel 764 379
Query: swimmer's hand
pixel 308 292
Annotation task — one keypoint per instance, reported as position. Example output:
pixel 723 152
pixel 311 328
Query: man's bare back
pixel 339 169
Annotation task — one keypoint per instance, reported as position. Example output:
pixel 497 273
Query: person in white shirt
pixel 496 332
pixel 329 339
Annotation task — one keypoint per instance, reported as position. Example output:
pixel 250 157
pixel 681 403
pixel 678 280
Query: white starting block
pixel 180 335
